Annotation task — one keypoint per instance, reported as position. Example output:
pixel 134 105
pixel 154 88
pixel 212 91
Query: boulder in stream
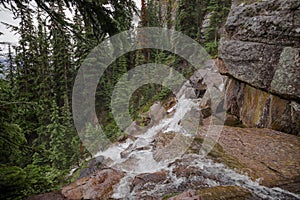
pixel 98 186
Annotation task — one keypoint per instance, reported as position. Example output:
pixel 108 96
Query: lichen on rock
pixel 260 54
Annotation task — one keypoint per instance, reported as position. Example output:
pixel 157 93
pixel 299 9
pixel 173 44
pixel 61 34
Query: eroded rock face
pixel 256 108
pixel 262 45
pixel 98 186
pixel 260 52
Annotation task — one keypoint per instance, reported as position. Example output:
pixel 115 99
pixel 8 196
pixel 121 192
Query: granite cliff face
pixel 260 52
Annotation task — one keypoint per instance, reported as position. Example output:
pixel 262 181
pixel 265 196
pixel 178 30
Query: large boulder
pixel 263 154
pixel 261 45
pixel 251 62
pixel 260 53
pixel 98 186
pixel 273 22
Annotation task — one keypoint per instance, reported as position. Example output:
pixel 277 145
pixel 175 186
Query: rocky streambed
pixel 166 160
pixel 246 164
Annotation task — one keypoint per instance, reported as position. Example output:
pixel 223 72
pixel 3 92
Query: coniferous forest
pixel 39 143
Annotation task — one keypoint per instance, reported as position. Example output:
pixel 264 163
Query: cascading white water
pixel 140 159
pixel 143 161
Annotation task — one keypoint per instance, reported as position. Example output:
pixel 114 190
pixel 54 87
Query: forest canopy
pixel 39 143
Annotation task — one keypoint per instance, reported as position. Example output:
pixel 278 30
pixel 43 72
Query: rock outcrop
pixel 270 156
pixel 257 108
pixel 261 53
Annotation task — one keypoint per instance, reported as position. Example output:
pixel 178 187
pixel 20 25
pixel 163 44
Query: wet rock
pixel 205 106
pixel 217 153
pixel 270 156
pixel 127 151
pixel 211 77
pixel 92 166
pixel 131 148
pixel 135 129
pixel 157 112
pixel 232 120
pixel 168 146
pixel 256 108
pixel 192 120
pixel 123 138
pixel 148 181
pixel 187 90
pixel 162 139
pixel 188 195
pixel 182 168
pixel 197 82
pixel 201 80
pixel 234 96
pixel 206 112
pixel 170 103
pixel 99 186
pixel 191 175
pixel 130 164
pixel 225 193
pixel 213 99
pixel 48 196
pixel 216 193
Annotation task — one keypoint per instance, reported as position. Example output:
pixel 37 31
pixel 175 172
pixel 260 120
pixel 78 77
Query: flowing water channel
pixel 140 156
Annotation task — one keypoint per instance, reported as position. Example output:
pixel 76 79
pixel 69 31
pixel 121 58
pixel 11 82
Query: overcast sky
pixel 7 17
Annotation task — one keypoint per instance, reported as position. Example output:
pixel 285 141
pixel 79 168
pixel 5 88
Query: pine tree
pixel 57 142
pixel 44 81
pixel 38 137
pixel 219 10
pixel 187 18
pixel 26 76
pixel 61 59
